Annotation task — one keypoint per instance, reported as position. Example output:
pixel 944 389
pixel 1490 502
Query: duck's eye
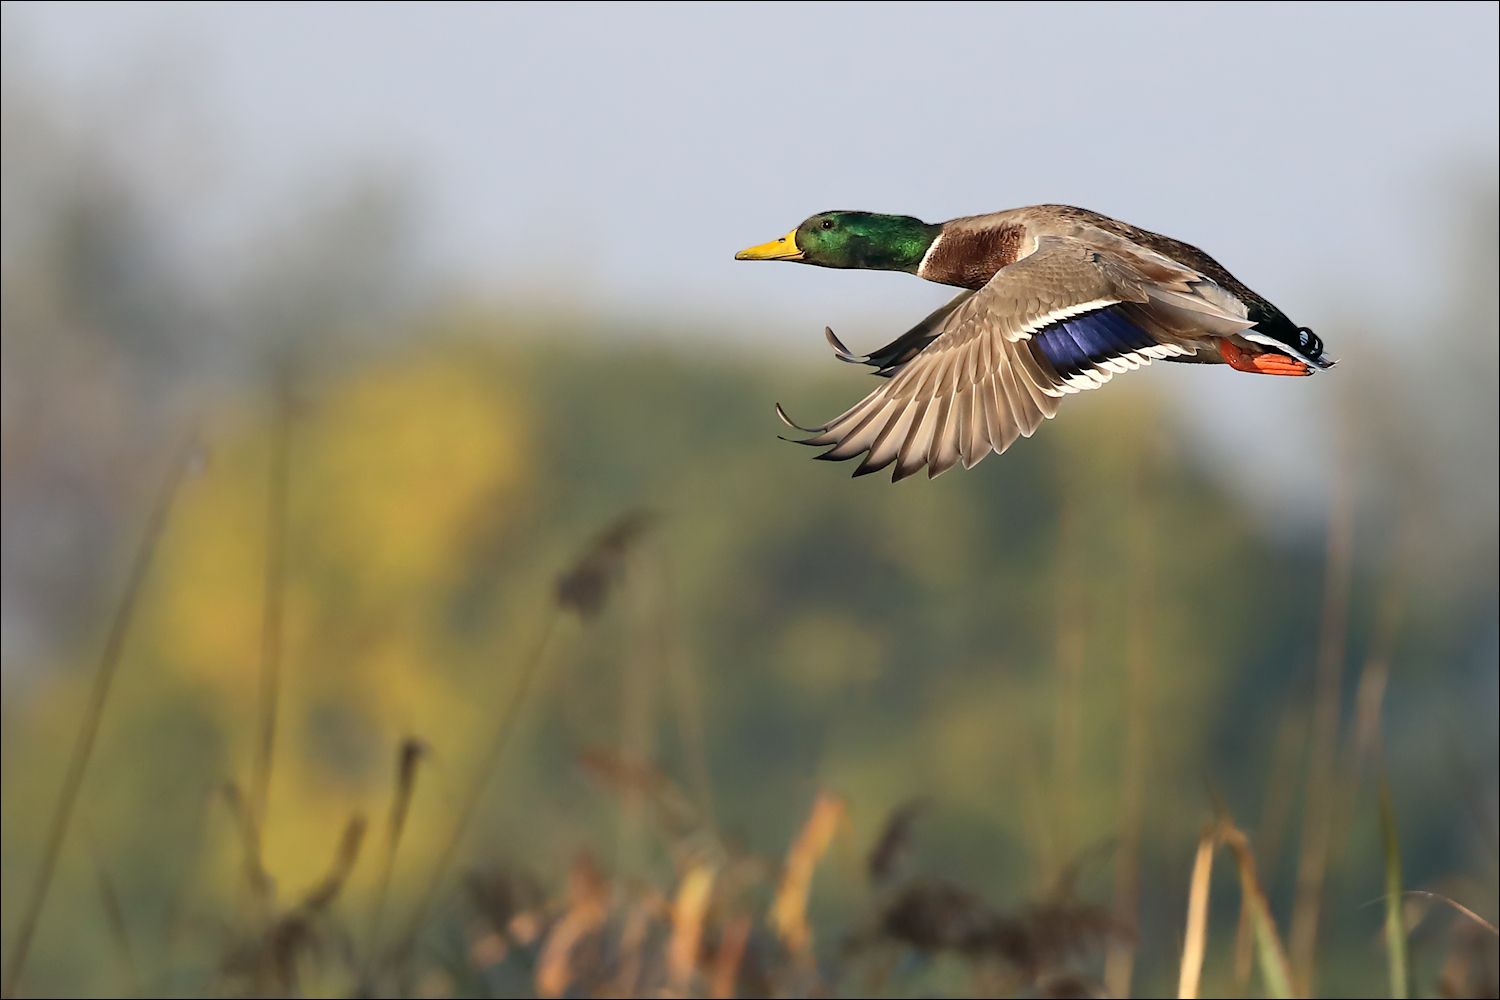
pixel 827 223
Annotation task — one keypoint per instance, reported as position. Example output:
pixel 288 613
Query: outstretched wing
pixel 987 369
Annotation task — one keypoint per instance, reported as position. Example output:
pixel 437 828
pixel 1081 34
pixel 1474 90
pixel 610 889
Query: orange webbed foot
pixel 1266 363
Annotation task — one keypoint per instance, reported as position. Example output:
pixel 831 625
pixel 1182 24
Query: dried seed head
pixel 933 915
pixel 1042 942
pixel 586 587
pixel 501 896
pixel 619 774
pixel 894 840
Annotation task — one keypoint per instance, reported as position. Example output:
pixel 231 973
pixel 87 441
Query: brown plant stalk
pixel 530 667
pixel 584 589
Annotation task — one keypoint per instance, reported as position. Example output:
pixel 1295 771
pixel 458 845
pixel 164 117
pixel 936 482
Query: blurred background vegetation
pixel 1069 656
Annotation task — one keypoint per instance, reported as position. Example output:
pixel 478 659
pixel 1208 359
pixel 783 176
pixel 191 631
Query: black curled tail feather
pixel 1309 343
pixel 1273 323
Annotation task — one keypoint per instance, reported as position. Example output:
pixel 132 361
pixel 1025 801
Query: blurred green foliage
pixel 886 642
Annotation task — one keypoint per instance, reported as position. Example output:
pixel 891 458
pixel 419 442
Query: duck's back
pixel 1063 220
pixel 972 249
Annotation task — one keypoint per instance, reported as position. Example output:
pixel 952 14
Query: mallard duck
pixel 1055 300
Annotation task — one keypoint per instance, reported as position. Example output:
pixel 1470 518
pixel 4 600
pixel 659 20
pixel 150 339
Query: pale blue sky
pixel 623 153
pixel 1301 144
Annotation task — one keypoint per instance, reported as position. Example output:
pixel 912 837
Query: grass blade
pixel 1276 811
pixel 732 941
pixel 1274 967
pixel 1395 922
pixel 688 911
pixel 1275 970
pixel 1197 922
pixel 1459 907
pixel 788 914
pixel 93 715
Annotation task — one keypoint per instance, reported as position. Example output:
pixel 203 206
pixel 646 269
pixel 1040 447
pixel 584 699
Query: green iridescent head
pixel 852 239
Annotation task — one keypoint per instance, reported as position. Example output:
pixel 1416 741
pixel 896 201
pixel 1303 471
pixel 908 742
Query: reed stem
pixel 1195 941
pixel 1119 960
pixel 93 715
pixel 1395 902
pixel 1071 640
pixel 687 694
pixel 407 758
pixel 273 614
pixel 1317 825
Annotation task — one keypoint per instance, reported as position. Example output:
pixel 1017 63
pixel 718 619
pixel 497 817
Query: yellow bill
pixel 784 248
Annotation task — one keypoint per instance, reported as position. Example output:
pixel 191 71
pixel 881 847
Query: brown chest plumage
pixel 968 258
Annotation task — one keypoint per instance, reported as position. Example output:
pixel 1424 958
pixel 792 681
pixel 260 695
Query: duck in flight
pixel 1055 300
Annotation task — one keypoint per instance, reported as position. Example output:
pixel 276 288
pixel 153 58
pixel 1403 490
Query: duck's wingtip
pixel 840 351
pixel 793 424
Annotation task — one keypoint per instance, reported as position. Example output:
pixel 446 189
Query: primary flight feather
pixel 1056 300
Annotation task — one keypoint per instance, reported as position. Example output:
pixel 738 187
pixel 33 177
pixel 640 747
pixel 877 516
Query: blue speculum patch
pixel 1076 345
